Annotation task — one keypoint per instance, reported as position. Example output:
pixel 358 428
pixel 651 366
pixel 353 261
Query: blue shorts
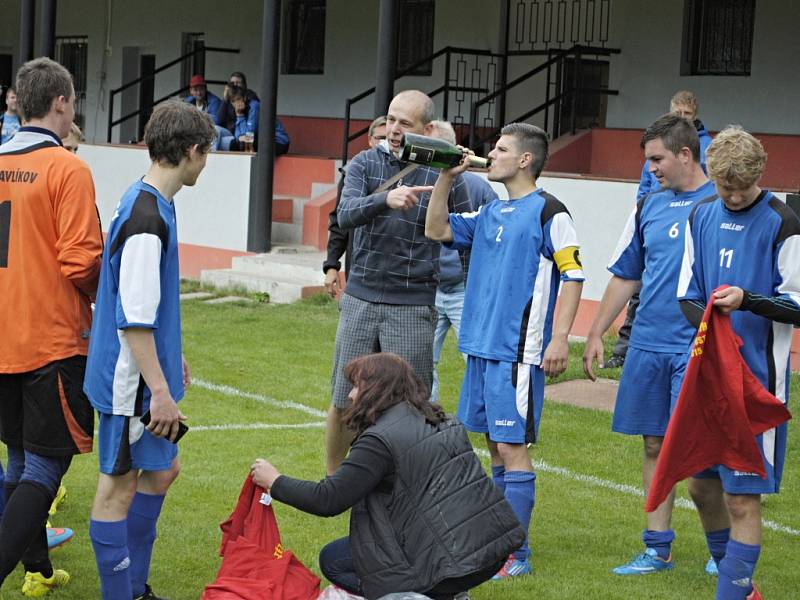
pixel 502 399
pixel 124 444
pixel 773 452
pixel 649 387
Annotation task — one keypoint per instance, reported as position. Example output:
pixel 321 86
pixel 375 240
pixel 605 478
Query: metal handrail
pixel 573 92
pixel 112 122
pixel 447 51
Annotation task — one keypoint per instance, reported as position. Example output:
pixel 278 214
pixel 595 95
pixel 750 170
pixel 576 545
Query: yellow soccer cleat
pixel 61 495
pixel 37 585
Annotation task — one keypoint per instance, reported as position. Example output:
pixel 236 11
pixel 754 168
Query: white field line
pixel 245 426
pixel 538 464
pixel 629 489
pixel 232 391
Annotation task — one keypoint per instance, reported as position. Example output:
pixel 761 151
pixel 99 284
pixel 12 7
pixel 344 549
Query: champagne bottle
pixel 436 153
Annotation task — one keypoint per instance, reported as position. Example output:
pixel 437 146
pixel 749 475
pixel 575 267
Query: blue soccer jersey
pixel 139 287
pixel 651 249
pixel 758 250
pixel 513 276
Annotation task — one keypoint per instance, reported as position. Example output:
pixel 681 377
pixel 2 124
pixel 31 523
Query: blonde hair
pixel 735 158
pixel 76 132
pixel 686 98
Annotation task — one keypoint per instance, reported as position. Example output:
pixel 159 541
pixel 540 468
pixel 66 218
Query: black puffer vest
pixel 442 518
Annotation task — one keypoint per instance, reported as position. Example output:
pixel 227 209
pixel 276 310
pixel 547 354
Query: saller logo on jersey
pixel 504 423
pixel 731 226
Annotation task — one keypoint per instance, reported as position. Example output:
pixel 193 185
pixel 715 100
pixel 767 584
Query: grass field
pixel 262 382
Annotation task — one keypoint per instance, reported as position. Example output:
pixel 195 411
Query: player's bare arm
pixel 187 372
pixel 555 357
pixel 164 412
pixel 617 294
pixel 437 224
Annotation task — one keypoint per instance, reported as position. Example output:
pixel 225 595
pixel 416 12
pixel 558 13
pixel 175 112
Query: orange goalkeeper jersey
pixel 50 247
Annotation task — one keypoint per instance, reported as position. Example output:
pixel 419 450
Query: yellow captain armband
pixel 568 259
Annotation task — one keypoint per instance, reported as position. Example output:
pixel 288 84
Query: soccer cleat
pixel 513 568
pixel 148 594
pixel 58 536
pixel 754 595
pixel 615 362
pixel 647 562
pixel 61 495
pixel 711 567
pixel 37 585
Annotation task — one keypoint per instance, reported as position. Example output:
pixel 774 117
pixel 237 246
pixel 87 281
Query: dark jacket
pixel 226 116
pixel 423 510
pixel 442 517
pixel 393 262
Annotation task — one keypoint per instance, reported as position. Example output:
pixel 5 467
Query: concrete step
pixel 289 209
pixel 295 249
pixel 317 188
pixel 306 265
pixel 294 174
pixel 287 233
pixel 281 289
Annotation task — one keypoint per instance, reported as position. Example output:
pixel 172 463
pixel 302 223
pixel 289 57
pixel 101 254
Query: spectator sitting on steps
pixel 202 98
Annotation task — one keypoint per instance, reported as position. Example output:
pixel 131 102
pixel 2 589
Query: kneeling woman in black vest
pixel 425 516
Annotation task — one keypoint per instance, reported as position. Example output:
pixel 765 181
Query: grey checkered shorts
pixel 366 327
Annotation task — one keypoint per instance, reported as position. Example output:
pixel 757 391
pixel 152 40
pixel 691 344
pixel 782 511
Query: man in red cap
pixel 202 98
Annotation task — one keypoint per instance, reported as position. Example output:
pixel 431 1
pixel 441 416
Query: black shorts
pixel 45 411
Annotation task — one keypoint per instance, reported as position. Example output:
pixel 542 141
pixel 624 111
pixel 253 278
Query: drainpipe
pixel 387 56
pixel 259 228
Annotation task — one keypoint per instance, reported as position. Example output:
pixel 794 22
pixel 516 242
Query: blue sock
pixel 110 543
pixel 521 495
pixel 660 541
pixel 717 541
pixel 498 476
pixel 142 517
pixel 736 570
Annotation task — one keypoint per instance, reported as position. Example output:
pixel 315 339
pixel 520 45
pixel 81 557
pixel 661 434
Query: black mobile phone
pixel 182 427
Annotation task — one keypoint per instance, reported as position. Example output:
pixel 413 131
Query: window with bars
pixel 718 37
pixel 304 38
pixel 73 52
pixel 415 35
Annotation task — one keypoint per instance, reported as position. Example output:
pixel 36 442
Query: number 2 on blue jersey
pixel 499 233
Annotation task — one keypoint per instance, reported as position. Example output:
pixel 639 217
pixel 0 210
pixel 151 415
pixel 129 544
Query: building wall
pixel 212 214
pixel 646 72
pixel 351 47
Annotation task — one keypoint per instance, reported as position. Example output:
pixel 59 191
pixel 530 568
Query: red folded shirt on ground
pixel 722 406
